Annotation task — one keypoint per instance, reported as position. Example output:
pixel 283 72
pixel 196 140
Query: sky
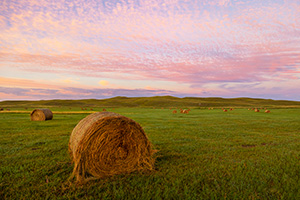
pixel 96 49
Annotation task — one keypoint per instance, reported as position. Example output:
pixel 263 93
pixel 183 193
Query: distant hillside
pixel 157 101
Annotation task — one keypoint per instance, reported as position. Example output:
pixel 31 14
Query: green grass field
pixel 206 154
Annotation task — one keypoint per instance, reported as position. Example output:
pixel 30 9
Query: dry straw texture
pixel 105 143
pixel 41 114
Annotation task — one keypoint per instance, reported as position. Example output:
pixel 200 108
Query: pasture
pixel 205 154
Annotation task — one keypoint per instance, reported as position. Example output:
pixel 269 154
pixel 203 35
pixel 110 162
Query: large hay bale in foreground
pixel 41 114
pixel 105 143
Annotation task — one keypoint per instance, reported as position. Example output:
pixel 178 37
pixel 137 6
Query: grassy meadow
pixel 205 154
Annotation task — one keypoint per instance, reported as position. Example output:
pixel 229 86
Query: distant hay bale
pixel 41 114
pixel 105 143
pixel 185 111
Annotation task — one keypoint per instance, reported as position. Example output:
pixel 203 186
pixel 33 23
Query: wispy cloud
pixel 9 93
pixel 103 82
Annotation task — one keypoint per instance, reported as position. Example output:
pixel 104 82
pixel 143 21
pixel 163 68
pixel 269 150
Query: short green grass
pixel 206 154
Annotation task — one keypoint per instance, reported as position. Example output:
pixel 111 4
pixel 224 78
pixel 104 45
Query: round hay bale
pixel 41 114
pixel 185 111
pixel 105 143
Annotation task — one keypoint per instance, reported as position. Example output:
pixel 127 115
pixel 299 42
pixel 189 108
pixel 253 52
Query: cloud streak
pixel 79 93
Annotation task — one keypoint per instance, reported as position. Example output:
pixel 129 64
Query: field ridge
pixel 157 101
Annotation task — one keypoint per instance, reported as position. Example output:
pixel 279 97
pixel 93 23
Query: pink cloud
pixel 24 83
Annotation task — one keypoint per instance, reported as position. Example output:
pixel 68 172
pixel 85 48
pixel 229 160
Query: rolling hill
pixel 157 101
